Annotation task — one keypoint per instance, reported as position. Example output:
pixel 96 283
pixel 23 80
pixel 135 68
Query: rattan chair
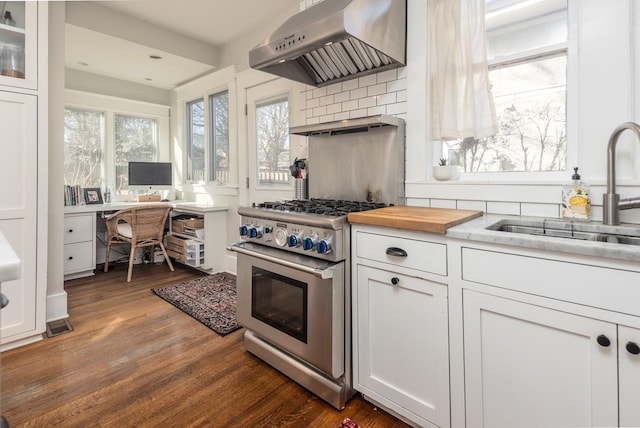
pixel 140 227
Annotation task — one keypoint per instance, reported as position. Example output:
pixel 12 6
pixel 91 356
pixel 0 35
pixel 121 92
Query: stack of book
pixel 73 195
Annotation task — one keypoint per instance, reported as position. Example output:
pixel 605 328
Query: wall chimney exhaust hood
pixel 336 40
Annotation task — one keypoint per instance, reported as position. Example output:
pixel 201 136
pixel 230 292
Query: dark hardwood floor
pixel 134 360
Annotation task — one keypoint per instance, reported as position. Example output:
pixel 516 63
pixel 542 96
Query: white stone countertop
pixel 476 230
pixel 9 261
pixel 115 206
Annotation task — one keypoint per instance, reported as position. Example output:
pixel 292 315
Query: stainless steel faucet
pixel 611 200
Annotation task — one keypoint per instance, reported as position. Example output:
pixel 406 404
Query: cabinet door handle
pixel 70 257
pixel 395 251
pixel 633 348
pixel 395 280
pixel 603 340
pixel 70 230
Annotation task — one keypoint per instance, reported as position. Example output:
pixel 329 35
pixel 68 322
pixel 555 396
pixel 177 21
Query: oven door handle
pixel 326 273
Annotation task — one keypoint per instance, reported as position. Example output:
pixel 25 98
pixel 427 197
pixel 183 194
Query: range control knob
pixel 244 230
pixel 293 241
pixel 323 247
pixel 255 232
pixel 308 243
pixel 268 229
pixel 281 237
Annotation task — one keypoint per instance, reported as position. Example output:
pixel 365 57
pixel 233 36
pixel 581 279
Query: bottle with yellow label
pixel 576 198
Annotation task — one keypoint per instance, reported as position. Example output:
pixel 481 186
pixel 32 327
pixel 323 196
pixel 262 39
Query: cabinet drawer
pixel 78 228
pixel 420 255
pixel 78 257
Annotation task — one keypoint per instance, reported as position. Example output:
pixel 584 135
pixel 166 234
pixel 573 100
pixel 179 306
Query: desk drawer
pixel 78 257
pixel 420 255
pixel 78 228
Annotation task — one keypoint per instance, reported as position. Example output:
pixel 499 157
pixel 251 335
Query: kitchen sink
pixel 557 228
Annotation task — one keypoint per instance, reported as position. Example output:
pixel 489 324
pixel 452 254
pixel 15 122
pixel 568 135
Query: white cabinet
pixel 205 253
pixel 79 245
pixel 530 366
pixel 549 342
pixel 400 333
pixel 19 42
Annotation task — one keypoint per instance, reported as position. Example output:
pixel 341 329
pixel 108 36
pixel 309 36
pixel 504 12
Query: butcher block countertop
pixel 434 220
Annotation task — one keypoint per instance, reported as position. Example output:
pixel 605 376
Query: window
pixel 135 139
pixel 195 140
pixel 219 137
pixel 83 147
pixel 272 135
pixel 527 53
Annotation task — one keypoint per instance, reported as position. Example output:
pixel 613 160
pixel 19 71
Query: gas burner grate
pixel 324 207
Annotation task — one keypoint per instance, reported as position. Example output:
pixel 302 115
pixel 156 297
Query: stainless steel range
pixel 293 264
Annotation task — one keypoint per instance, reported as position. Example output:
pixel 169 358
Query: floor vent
pixel 55 328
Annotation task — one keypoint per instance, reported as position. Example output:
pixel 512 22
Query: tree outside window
pixel 135 141
pixel 527 52
pixel 273 149
pixel 83 147
pixel 219 140
pixel 195 140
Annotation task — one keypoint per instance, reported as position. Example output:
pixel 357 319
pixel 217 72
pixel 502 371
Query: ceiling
pixel 211 22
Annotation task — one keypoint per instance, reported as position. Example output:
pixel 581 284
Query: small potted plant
pixel 443 172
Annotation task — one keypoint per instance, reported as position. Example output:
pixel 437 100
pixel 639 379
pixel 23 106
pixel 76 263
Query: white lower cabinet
pixel 549 343
pixel 529 366
pixel 400 333
pixel 79 245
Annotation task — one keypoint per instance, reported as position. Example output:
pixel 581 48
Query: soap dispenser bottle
pixel 576 198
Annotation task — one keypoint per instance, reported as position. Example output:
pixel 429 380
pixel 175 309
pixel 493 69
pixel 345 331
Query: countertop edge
pixel 475 230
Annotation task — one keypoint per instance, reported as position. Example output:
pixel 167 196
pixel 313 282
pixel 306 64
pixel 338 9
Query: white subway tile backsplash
pixel 334 108
pixel 358 93
pixel 373 111
pixel 327 118
pixel 334 89
pixel 508 208
pixel 387 76
pixel 368 80
pixel 350 105
pixel 349 85
pixel 313 103
pixel 320 92
pixel 472 205
pixel 324 101
pixel 320 111
pixel 386 98
pixel 402 72
pixel 378 89
pixel 397 108
pixel 540 210
pixel 313 120
pixel 397 85
pixel 341 116
pixel 418 202
pixel 341 97
pixel 367 102
pixel 357 113
pixel 401 96
pixel 443 203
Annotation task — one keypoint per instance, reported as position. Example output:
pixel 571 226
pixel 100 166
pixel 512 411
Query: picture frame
pixel 92 195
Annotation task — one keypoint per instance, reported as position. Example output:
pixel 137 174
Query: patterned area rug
pixel 210 300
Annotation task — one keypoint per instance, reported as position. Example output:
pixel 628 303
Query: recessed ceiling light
pixel 82 63
pixel 155 57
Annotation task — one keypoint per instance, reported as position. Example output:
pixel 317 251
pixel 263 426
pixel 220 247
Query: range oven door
pixel 293 302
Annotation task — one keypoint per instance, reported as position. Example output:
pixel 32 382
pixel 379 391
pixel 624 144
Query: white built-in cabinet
pixel 400 332
pixel 79 245
pixel 549 343
pixel 23 174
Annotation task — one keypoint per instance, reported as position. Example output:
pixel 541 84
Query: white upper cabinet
pixel 19 44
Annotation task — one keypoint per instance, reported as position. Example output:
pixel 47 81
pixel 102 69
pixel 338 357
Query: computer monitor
pixel 150 175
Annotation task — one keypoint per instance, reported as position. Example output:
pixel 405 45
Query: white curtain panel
pixel 462 104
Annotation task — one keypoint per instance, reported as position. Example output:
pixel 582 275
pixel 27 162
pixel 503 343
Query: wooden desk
pixel 80 226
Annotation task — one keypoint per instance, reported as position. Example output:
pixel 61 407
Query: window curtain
pixel 461 102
